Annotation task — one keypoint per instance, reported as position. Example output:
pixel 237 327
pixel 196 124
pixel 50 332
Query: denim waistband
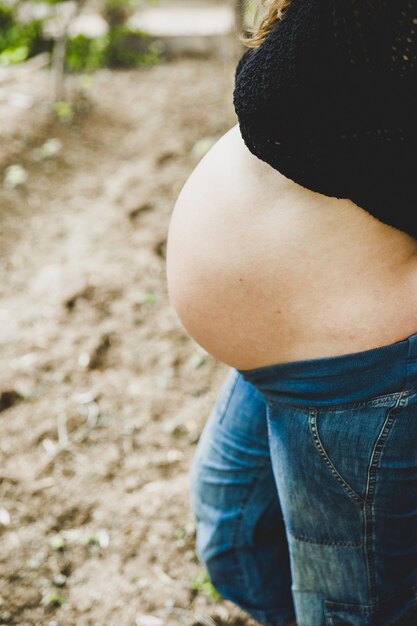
pixel 339 379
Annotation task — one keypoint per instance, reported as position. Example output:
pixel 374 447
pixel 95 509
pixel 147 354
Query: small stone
pixel 4 516
pixel 59 580
pixel 15 177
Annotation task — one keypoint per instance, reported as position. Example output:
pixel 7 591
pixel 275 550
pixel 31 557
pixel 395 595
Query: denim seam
pixel 377 401
pixel 325 542
pixel 369 493
pixel 320 448
pixel 348 606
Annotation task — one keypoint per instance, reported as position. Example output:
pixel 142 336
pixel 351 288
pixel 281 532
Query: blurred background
pixel 106 106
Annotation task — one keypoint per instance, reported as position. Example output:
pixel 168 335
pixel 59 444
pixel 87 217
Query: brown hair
pixel 274 12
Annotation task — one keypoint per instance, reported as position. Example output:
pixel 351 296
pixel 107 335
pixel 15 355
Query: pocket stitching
pixel 327 461
pixel 387 399
pixel 347 606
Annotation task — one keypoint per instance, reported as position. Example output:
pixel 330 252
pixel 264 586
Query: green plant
pixel 85 53
pixel 119 47
pixel 18 41
pixel 53 599
pixel 63 111
pixel 203 584
pixel 130 48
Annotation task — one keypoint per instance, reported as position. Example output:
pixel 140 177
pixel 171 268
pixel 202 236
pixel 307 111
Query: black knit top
pixel 330 100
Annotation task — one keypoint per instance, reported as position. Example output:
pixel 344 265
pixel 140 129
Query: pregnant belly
pixel 261 270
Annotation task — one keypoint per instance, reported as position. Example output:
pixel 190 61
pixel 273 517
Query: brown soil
pixel 103 395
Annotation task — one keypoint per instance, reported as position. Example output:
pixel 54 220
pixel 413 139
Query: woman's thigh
pixel 240 532
pixel 347 483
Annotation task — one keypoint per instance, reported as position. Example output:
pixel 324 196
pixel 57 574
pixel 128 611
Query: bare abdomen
pixel 262 271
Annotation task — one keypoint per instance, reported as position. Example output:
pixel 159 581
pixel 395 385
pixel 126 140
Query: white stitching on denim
pixel 319 445
pixel 370 487
pixel 387 400
pixel 325 542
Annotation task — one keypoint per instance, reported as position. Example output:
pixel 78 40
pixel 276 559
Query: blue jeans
pixel 304 490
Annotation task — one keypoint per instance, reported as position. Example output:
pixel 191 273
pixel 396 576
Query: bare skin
pixel 261 270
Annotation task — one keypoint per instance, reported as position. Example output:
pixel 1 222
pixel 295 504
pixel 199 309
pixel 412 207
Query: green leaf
pixel 63 110
pixel 53 599
pixel 12 56
pixel 203 584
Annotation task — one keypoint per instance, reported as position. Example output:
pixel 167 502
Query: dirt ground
pixel 103 395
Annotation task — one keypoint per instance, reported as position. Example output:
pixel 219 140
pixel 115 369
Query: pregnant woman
pixel 292 258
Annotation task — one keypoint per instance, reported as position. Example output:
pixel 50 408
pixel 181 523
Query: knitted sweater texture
pixel 330 100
